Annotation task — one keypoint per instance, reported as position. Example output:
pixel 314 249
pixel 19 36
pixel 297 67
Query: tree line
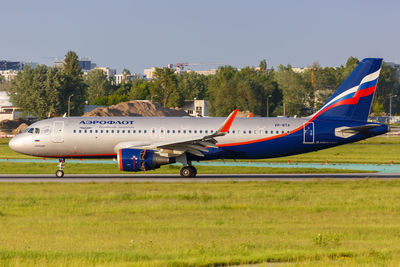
pixel 44 91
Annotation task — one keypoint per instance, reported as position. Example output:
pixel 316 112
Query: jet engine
pixel 133 160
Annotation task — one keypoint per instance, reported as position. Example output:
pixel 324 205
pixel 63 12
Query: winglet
pixel 228 122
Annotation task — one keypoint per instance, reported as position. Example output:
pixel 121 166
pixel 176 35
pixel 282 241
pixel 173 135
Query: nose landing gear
pixel 60 172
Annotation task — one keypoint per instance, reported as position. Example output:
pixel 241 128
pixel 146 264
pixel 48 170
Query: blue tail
pixel 352 100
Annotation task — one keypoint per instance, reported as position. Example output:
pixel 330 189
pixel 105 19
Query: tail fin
pixel 352 100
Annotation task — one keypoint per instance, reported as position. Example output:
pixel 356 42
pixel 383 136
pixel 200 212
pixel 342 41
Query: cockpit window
pixel 32 130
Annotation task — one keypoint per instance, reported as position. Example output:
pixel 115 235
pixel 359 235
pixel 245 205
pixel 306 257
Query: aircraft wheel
pixel 188 171
pixel 59 174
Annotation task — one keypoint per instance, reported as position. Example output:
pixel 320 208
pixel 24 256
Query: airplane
pixel 146 143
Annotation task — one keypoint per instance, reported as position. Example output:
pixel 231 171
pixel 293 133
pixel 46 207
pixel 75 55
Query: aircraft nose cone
pixel 15 144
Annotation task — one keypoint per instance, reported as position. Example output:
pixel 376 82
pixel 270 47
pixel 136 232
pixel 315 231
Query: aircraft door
pixel 309 134
pixel 58 132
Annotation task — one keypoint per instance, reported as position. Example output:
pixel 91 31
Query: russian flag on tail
pixel 352 100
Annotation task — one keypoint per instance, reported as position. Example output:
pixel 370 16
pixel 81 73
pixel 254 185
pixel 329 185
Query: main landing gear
pixel 60 172
pixel 188 171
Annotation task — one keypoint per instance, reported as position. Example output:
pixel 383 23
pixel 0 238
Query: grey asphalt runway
pixel 101 178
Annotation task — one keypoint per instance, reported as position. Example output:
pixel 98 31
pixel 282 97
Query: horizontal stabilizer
pixel 346 132
pixel 362 128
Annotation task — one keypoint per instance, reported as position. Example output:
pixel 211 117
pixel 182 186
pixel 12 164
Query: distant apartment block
pixel 15 65
pixel 119 78
pixel 107 71
pixel 205 72
pixel 300 70
pixel 8 74
pixel 86 64
pixel 196 108
pixel 149 73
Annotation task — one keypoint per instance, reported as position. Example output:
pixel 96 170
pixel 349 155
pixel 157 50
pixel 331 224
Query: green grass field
pixel 322 223
pixel 78 168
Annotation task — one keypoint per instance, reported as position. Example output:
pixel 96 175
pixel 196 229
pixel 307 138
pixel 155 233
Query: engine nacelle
pixel 133 160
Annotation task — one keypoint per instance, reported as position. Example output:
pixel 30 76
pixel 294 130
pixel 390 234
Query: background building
pixel 196 108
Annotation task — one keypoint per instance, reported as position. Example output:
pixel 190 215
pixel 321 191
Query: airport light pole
pixel 390 105
pixel 268 97
pixel 69 104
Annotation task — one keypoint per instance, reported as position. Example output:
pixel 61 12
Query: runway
pixel 173 178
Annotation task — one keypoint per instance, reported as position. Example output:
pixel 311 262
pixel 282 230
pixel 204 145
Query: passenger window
pixel 167 131
pixel 244 132
pixel 139 131
pixel 80 131
pixel 173 131
pixel 123 131
pixel 153 131
pixel 145 131
pixel 249 131
pixel 206 131
pixel 201 131
pixel 117 131
pixel 190 131
pixel 184 131
pixel 30 130
pixel 195 131
pixel 90 131
pixel 74 131
pixel 101 131
pixel 95 131
pixel 106 131
pixel 233 131
pixel 129 131
pixel 112 131
pixel 277 132
pixel 85 131
pixel 134 131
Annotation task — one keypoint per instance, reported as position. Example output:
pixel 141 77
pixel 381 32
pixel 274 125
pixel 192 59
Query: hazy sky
pixel 141 34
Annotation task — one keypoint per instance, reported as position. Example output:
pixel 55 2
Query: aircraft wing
pixel 194 145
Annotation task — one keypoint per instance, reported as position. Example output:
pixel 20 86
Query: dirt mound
pixel 8 126
pixel 20 129
pixel 142 108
